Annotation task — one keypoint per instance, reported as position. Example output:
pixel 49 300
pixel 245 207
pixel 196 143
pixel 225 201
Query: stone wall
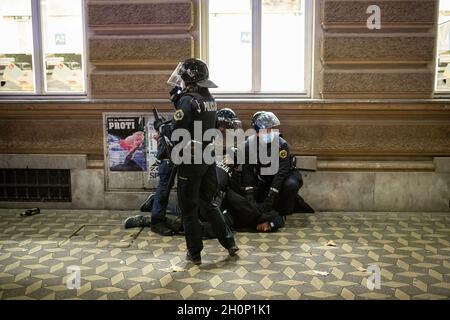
pixel 324 129
pixel 396 61
pixel 134 46
pixel 372 101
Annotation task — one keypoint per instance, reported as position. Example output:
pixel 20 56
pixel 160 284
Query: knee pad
pixel 292 184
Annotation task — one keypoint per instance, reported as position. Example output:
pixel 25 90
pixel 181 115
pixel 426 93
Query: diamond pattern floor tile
pixel 321 256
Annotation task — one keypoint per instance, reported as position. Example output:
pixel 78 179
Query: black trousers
pixel 196 187
pixel 287 194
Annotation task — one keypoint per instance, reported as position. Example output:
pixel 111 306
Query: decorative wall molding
pixel 320 129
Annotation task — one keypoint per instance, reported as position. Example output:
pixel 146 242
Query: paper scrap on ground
pixel 361 269
pixel 174 269
pixel 322 273
pixel 331 243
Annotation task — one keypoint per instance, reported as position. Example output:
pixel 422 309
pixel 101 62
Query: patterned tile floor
pixel 411 250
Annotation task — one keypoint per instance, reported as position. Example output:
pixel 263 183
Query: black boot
pixel 173 222
pixel 197 260
pixel 162 229
pixel 233 251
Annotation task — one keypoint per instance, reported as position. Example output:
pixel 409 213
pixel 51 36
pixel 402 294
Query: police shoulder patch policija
pixel 283 154
pixel 178 115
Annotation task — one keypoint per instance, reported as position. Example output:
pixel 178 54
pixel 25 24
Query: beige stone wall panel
pixel 396 15
pixel 155 52
pixel 377 84
pixel 124 84
pixel 378 50
pixel 140 17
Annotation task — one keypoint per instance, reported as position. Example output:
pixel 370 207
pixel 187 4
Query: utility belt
pixel 270 177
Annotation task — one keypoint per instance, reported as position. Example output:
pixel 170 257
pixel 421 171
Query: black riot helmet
pixel 195 72
pixel 227 119
pixel 265 120
pixel 255 116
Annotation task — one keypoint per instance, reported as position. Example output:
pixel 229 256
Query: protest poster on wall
pixel 126 143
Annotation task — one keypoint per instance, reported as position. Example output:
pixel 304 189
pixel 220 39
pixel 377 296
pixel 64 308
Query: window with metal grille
pixel 35 185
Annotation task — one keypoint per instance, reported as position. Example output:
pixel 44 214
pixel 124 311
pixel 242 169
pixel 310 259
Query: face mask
pixel 268 137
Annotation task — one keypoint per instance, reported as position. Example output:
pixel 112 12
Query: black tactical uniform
pixel 277 191
pixel 197 183
pixel 227 174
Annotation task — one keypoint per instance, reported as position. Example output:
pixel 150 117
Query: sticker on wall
pixel 126 143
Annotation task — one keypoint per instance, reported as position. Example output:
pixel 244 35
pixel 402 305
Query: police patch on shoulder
pixel 283 154
pixel 178 115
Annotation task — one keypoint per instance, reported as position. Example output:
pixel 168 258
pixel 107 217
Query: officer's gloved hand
pixel 250 194
pixel 157 124
pixel 270 200
pixel 219 197
pixel 175 94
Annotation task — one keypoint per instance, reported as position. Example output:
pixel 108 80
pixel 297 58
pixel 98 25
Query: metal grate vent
pixel 35 185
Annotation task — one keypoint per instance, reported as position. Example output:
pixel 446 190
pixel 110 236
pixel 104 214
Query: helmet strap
pixel 192 87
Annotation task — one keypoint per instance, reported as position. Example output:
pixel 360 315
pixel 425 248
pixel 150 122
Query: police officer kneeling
pixel 277 191
pixel 197 183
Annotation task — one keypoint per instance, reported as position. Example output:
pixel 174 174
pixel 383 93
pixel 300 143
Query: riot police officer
pixel 226 118
pixel 274 191
pixel 227 167
pixel 197 183
pixel 237 210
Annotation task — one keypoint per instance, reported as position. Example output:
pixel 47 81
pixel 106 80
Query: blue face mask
pixel 268 137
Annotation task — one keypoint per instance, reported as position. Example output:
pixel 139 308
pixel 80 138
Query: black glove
pixel 250 195
pixel 219 197
pixel 175 95
pixel 157 124
pixel 269 202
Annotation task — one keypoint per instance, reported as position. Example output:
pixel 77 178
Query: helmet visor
pixel 175 78
pixel 267 120
pixel 235 124
pixel 232 124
